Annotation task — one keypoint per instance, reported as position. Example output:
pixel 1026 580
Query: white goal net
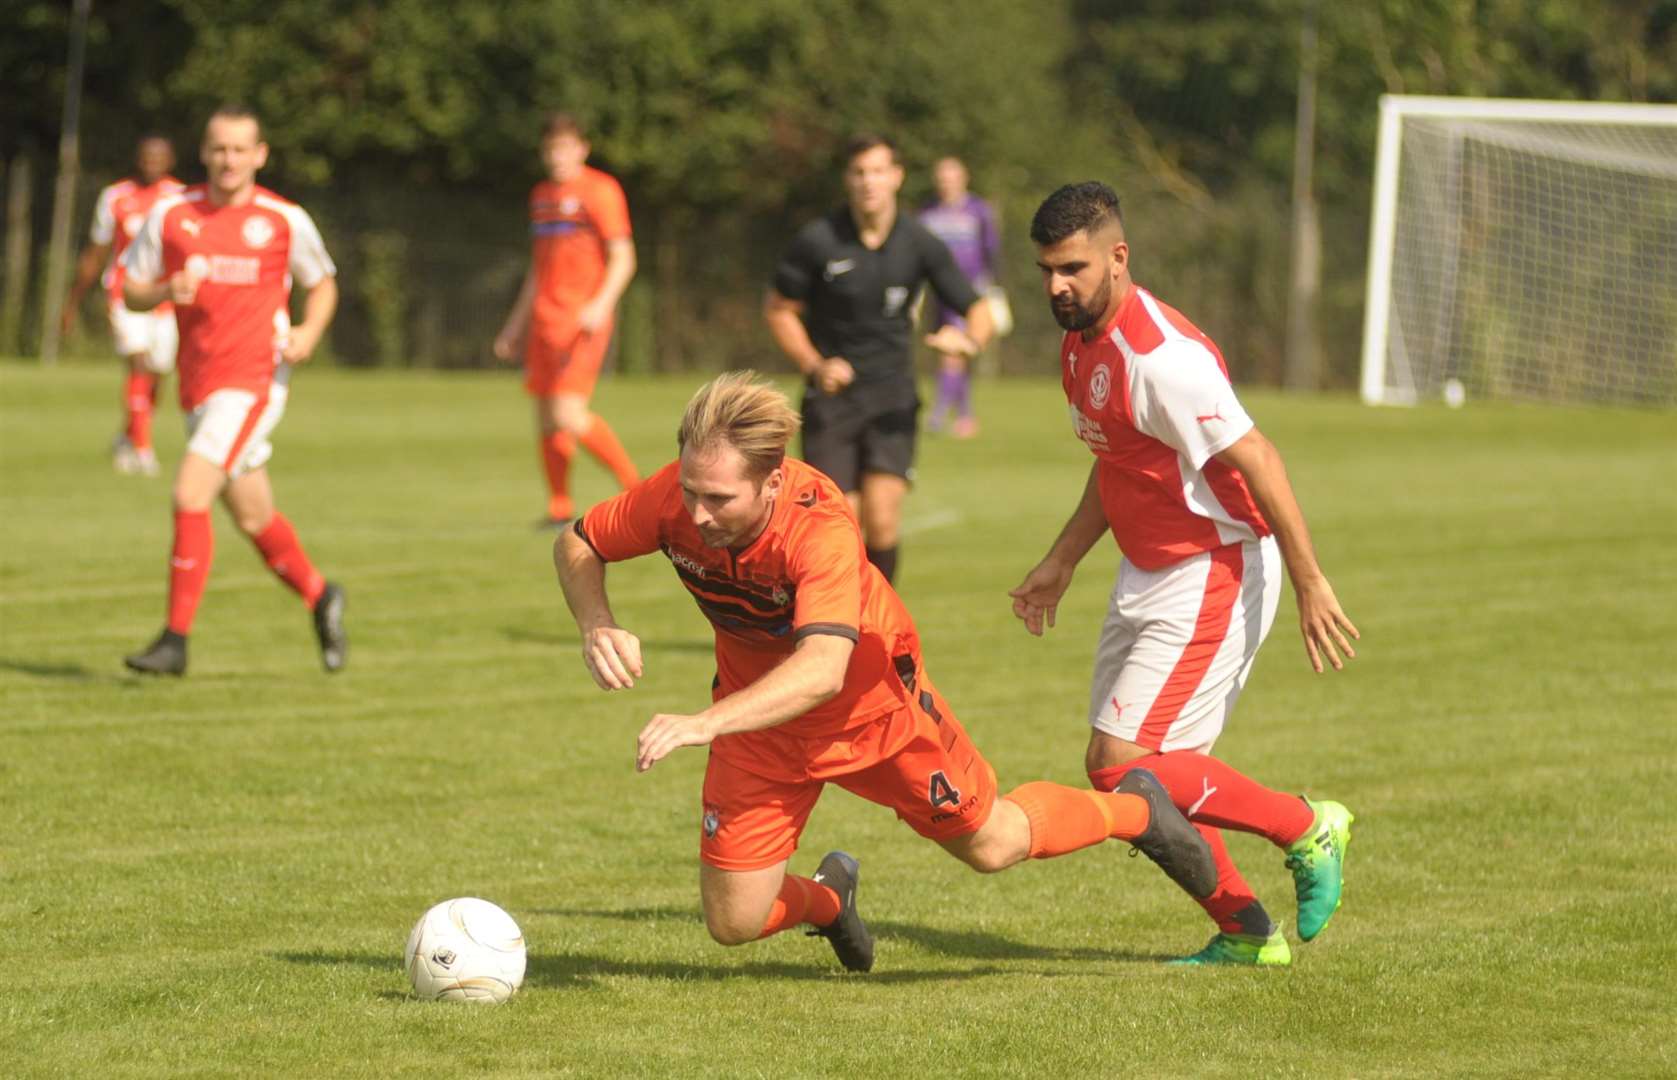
pixel 1523 250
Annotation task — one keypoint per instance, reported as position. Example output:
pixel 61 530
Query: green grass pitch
pixel 214 876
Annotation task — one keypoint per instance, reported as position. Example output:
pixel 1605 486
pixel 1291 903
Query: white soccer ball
pixel 465 950
pixel 1455 394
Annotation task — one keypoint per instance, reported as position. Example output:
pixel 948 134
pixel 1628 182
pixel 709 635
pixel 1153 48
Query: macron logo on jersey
pixel 836 267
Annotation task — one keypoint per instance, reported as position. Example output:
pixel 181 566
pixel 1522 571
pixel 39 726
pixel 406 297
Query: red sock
pixel 278 545
pixel 801 900
pixel 1210 791
pixel 601 441
pixel 1233 895
pixel 189 567
pixel 558 448
pixel 138 397
pixel 1065 819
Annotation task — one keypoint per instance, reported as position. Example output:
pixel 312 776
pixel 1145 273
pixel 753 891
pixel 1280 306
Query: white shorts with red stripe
pixel 1178 645
pixel 231 427
pixel 151 335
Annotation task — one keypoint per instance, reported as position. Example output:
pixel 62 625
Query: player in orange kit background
pixel 581 259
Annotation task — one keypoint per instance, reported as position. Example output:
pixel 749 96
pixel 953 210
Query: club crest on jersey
pixel 895 297
pixel 132 224
pixel 1100 386
pixel 257 231
pixel 570 204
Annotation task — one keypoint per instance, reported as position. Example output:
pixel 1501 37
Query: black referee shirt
pixel 858 301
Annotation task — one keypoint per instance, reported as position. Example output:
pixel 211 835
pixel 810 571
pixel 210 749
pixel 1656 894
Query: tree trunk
pixel 20 196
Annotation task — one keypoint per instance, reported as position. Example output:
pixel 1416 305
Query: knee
pixel 988 859
pixel 730 931
pixel 252 523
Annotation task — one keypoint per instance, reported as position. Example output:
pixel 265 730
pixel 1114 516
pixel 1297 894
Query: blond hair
pixel 742 410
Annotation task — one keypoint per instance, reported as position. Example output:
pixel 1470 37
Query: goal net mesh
pixel 1534 260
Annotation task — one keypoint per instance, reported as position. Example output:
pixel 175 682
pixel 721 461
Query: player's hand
pixel 666 732
pixel 183 286
pixel 299 344
pixel 613 656
pixel 506 346
pixel 952 341
pixel 1324 626
pixel 834 374
pixel 1037 598
pixel 592 317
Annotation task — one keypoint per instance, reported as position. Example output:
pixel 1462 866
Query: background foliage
pixel 724 117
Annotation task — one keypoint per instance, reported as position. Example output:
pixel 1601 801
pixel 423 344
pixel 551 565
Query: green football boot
pixel 1251 950
pixel 1317 860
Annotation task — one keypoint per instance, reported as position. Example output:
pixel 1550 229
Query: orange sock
pixel 601 441
pixel 801 900
pixel 557 448
pixel 1065 819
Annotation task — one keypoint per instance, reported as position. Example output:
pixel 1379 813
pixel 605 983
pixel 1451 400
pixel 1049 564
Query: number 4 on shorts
pixel 941 793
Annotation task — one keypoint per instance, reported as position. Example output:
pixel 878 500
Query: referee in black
pixel 841 309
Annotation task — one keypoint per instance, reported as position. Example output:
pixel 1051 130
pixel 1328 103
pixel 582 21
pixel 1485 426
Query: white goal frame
pixel 1394 109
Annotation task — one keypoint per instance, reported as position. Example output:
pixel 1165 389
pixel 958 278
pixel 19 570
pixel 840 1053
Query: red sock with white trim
pixel 286 558
pixel 189 567
pixel 1232 907
pixel 1212 792
pixel 801 900
pixel 138 397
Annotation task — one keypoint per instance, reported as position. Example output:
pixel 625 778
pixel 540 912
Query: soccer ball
pixel 465 950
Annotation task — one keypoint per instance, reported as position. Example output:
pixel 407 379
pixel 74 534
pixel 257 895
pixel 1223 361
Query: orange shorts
pixel 573 368
pixel 918 761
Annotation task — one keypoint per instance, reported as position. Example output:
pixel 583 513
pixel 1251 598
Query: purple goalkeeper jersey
pixel 968 229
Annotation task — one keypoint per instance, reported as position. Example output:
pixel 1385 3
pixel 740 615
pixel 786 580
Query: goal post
pixel 1523 250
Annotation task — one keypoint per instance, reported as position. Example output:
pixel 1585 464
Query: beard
pixel 1074 316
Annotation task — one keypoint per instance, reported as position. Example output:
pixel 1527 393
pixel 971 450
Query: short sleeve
pixel 1180 396
pixel 825 565
pixel 104 218
pixel 143 260
pixel 627 525
pixel 309 261
pixel 609 209
pixel 796 273
pixel 951 286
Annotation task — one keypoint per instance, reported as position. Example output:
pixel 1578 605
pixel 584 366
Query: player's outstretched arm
pixel 319 305
pixel 508 341
pixel 1037 598
pixel 784 317
pixel 809 677
pixel 620 269
pixel 1321 621
pixel 88 267
pixel 611 654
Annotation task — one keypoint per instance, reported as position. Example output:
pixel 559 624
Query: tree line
pixel 412 127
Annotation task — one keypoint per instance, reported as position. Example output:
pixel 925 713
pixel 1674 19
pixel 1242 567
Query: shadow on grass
pixel 523 635
pixel 69 672
pixel 972 944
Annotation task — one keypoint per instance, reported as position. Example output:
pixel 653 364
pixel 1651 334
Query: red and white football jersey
pixel 1151 398
pixel 117 219
pixel 245 258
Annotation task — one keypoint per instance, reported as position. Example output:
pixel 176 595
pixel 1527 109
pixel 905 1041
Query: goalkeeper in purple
pixel 967 226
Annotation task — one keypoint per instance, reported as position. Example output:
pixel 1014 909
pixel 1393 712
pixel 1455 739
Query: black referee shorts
pixel 863 428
